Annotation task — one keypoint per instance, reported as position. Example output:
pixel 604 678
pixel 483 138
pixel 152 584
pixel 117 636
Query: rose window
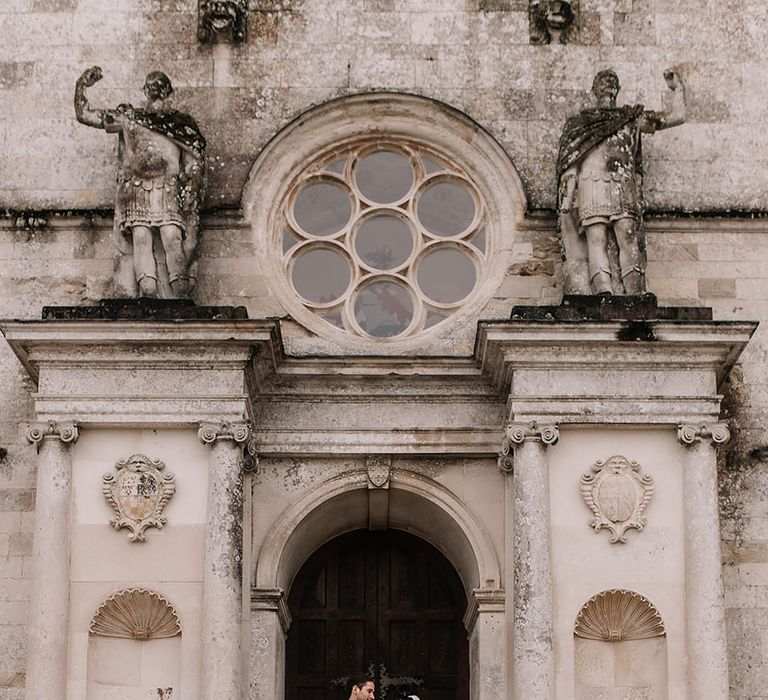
pixel 384 240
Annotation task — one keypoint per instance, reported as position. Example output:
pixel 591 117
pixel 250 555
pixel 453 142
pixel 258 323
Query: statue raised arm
pixel 161 164
pixel 600 172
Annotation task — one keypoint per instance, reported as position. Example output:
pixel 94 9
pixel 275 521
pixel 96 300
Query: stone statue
pixel 599 171
pixel 222 21
pixel 549 20
pixel 161 155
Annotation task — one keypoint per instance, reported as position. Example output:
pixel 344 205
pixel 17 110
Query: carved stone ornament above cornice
pixel 718 433
pixel 617 495
pixel 66 432
pixel 273 600
pixel 138 493
pixel 211 432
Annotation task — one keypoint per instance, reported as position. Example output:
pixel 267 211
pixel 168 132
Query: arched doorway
pixel 382 600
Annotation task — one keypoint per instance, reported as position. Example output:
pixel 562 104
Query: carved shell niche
pixel 136 613
pixel 618 615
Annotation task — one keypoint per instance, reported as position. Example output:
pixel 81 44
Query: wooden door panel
pixel 385 601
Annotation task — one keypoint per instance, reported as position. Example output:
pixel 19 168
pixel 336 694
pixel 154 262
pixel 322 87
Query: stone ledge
pixel 144 309
pixel 594 307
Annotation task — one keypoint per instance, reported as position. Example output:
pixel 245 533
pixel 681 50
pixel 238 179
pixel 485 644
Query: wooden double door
pixel 385 603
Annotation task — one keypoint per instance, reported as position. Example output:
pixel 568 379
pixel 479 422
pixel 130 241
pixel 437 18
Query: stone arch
pixel 417 505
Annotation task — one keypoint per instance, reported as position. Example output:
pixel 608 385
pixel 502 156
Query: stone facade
pixel 706 191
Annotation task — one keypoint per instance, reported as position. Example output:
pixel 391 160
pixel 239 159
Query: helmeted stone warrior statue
pixel 161 156
pixel 600 169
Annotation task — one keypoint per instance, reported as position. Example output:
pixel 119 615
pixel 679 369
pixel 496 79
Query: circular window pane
pixel 322 208
pixel 383 309
pixel 384 176
pixel 384 242
pixel 321 275
pixel 446 275
pixel 446 208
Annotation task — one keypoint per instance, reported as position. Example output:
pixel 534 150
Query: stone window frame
pixel 345 122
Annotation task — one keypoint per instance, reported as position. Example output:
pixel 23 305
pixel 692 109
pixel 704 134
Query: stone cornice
pixel 716 433
pixel 135 373
pixel 52 430
pixel 272 600
pixel 372 400
pixel 583 372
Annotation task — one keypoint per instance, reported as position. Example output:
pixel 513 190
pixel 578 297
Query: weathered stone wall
pixel 472 54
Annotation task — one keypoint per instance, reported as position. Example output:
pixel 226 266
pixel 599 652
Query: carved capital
pixel 273 600
pixel 506 461
pixel 211 432
pixel 483 600
pixel 250 456
pixel 518 433
pixel 66 432
pixel 690 433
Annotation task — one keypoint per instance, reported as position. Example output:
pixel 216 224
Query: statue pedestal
pixel 144 309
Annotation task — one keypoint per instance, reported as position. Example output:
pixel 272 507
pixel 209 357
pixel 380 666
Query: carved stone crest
pixel 378 468
pixel 617 495
pixel 138 493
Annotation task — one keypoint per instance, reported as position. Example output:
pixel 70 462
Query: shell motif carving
pixel 138 493
pixel 135 613
pixel 617 616
pixel 617 495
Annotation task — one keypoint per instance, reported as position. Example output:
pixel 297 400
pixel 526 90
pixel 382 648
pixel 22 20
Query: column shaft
pixel 705 606
pixel 222 581
pixel 46 677
pixel 533 651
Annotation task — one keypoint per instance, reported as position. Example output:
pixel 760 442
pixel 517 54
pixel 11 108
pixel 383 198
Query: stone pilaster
pixel 49 601
pixel 705 606
pixel 222 579
pixel 270 620
pixel 484 621
pixel 532 645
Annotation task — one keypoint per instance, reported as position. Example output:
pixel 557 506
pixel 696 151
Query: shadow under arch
pixel 417 505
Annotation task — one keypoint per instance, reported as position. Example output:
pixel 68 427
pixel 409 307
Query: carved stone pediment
pixel 617 495
pixel 138 493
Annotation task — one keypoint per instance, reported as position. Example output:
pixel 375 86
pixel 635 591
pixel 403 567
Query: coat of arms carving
pixel 138 493
pixel 617 495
